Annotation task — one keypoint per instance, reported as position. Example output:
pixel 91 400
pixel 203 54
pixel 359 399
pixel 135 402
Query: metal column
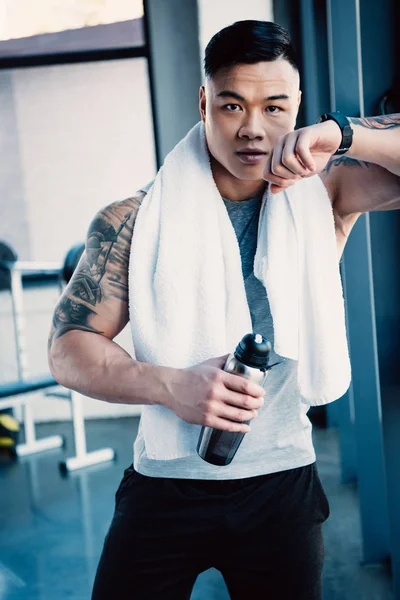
pixel 348 71
pixel 172 33
pixel 379 22
pixel 307 22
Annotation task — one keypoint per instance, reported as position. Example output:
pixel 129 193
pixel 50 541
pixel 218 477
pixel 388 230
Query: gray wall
pixel 14 226
pixel 76 138
pixel 73 138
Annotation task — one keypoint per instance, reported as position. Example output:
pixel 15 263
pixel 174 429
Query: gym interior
pixel 80 83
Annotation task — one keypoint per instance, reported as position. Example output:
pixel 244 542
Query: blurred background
pixel 93 95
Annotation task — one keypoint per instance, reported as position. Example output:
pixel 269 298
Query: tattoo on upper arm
pixel 345 161
pixel 102 270
pixel 107 248
pixel 381 122
pixel 71 314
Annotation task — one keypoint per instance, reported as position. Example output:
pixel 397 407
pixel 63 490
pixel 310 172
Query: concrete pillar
pixel 172 33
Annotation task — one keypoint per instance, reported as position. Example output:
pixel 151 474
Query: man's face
pixel 245 110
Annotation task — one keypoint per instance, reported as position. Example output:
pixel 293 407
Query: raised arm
pixel 377 140
pixel 366 178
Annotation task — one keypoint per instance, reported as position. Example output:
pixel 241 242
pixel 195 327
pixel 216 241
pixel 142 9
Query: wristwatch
pixel 345 128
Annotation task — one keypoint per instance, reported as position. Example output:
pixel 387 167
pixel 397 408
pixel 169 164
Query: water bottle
pixel 249 360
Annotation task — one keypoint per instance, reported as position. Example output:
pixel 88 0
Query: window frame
pixel 125 39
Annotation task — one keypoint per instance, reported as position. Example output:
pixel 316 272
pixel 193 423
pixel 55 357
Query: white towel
pixel 187 295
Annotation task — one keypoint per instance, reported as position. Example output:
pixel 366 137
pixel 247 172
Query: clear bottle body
pixel 219 447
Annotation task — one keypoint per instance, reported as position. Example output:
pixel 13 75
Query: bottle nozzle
pixel 253 350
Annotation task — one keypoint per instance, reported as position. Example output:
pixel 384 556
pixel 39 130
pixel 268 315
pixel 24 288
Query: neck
pixel 232 188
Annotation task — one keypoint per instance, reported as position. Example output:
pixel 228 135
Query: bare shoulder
pixel 96 298
pixel 108 243
pixel 121 211
pixel 114 223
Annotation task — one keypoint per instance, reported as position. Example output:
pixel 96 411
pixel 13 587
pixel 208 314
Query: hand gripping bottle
pixel 250 360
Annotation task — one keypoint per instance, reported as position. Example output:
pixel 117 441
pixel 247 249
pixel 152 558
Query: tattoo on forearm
pixel 102 270
pixel 381 122
pixel 345 161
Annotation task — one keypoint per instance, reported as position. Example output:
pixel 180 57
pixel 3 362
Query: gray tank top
pixel 280 437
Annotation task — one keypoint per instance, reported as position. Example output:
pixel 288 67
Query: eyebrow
pixel 232 94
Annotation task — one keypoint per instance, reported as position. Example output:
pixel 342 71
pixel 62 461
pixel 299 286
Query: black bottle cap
pixel 253 350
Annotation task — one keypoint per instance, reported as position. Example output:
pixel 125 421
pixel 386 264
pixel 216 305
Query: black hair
pixel 248 42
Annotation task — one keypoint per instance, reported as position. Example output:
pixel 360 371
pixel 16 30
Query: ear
pixel 299 98
pixel 298 106
pixel 202 103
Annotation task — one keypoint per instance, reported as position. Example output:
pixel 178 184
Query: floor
pixel 52 527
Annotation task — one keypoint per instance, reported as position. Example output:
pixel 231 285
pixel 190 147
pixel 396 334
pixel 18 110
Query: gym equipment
pixel 9 430
pixel 10 396
pixel 71 262
pixel 12 273
pixel 8 255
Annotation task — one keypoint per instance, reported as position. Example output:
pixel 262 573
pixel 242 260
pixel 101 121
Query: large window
pixel 25 18
pixel 75 104
pixel 76 135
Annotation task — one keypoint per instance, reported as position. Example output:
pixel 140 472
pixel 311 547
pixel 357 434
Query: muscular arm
pixel 377 140
pixel 93 309
pixel 96 299
pixel 367 178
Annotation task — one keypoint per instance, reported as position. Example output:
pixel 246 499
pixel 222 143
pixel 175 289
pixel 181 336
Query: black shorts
pixel 264 534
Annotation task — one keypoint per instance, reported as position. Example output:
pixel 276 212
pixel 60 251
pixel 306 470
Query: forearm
pixel 99 368
pixel 377 140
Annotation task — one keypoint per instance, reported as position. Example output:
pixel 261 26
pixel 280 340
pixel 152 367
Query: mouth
pixel 251 157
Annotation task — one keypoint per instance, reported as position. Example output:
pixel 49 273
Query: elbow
pixel 56 361
pixel 53 367
pixel 56 372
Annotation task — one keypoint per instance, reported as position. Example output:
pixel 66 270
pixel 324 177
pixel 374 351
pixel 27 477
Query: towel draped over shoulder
pixel 187 294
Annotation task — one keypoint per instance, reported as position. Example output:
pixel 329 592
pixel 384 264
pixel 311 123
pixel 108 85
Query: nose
pixel 252 128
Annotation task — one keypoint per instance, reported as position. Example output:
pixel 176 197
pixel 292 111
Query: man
pixel 259 519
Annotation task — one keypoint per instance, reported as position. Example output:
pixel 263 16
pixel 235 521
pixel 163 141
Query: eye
pixel 231 107
pixel 274 110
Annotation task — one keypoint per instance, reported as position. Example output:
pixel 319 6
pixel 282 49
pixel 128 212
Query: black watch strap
pixel 345 128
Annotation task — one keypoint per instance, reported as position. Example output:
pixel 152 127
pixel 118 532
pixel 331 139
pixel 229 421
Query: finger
pixel 291 159
pixel 302 148
pixel 226 425
pixel 234 413
pixel 267 168
pixel 309 171
pixel 282 183
pixel 241 401
pixel 277 166
pixel 240 384
pixel 277 189
pixel 277 185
